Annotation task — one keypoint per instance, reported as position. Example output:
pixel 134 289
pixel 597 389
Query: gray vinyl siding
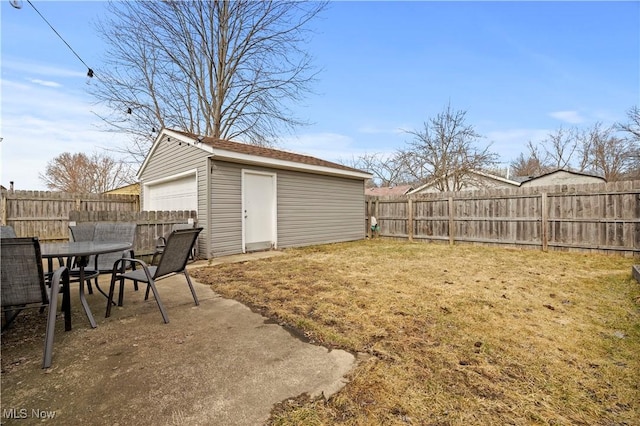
pixel 170 159
pixel 312 209
pixel 226 209
pixel 316 209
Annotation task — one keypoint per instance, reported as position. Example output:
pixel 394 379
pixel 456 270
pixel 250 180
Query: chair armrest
pixel 126 254
pixel 118 268
pixel 161 242
pixel 59 277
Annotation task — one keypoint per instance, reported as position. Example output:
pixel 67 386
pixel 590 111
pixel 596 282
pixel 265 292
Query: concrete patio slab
pixel 214 364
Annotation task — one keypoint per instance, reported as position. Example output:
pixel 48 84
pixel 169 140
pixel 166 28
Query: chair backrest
pixel 179 226
pixel 21 272
pixel 107 232
pixel 82 231
pixel 176 253
pixel 7 232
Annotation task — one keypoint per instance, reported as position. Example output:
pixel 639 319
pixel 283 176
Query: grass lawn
pixel 456 334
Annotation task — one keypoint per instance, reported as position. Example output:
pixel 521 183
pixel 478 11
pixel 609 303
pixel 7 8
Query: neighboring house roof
pixel 389 190
pixel 474 178
pixel 132 189
pixel 562 176
pixel 253 154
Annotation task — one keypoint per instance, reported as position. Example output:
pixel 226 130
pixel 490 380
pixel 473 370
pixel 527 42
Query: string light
pixel 90 71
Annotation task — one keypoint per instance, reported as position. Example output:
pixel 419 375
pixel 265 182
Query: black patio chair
pixel 161 242
pixel 7 232
pixel 104 232
pixel 173 260
pixel 23 286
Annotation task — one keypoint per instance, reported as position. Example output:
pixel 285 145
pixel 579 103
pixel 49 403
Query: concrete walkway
pixel 215 364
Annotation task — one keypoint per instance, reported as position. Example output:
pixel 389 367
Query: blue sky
pixel 519 69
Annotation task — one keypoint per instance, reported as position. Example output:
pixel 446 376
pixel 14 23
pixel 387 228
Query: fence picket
pixel 593 217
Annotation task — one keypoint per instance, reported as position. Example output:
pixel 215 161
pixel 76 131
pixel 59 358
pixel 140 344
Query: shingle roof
pixel 386 190
pixel 260 151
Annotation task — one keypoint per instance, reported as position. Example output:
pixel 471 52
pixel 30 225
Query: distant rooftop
pixel 388 190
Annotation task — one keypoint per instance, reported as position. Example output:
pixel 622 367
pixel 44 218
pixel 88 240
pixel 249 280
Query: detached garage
pixel 252 198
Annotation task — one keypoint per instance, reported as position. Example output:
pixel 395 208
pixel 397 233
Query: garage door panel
pixel 176 194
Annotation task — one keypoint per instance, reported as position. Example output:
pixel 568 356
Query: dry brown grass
pixel 458 335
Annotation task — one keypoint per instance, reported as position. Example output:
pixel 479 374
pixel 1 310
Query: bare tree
pixel 632 127
pixel 224 69
pixel 81 173
pixel 606 154
pixel 387 170
pixel 445 150
pixel 561 147
pixel 631 130
pixel 533 164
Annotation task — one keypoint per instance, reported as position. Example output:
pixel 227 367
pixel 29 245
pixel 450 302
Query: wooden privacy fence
pixel 46 214
pixel 594 217
pixel 150 225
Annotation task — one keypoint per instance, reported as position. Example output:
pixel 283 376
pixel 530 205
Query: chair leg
pixel 121 294
pixel 110 296
pixel 51 325
pixel 193 291
pixel 165 317
pixel 133 268
pixel 66 305
pixel 9 316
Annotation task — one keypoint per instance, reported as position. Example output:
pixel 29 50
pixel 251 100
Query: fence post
pixel 451 222
pixel 375 213
pixel 410 219
pixel 544 222
pixel 3 208
pixel 369 218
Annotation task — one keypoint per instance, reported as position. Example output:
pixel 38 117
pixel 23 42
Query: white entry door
pixel 259 210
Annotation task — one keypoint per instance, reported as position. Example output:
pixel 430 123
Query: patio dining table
pixel 81 251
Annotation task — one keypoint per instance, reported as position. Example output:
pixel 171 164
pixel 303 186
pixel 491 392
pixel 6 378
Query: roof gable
pixel 253 154
pixel 564 172
pixel 476 175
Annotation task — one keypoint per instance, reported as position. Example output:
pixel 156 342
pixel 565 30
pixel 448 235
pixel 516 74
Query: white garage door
pixel 176 194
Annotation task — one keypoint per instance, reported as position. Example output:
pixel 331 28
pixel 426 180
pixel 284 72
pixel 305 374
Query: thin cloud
pixel 510 143
pixel 370 130
pixel 316 141
pixel 327 146
pixel 45 82
pixel 20 66
pixel 572 117
pixel 373 130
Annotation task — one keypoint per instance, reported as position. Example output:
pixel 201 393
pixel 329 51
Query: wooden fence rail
pixel 150 224
pixel 593 217
pixel 47 215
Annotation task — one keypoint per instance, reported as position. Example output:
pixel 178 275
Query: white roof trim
pixel 237 157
